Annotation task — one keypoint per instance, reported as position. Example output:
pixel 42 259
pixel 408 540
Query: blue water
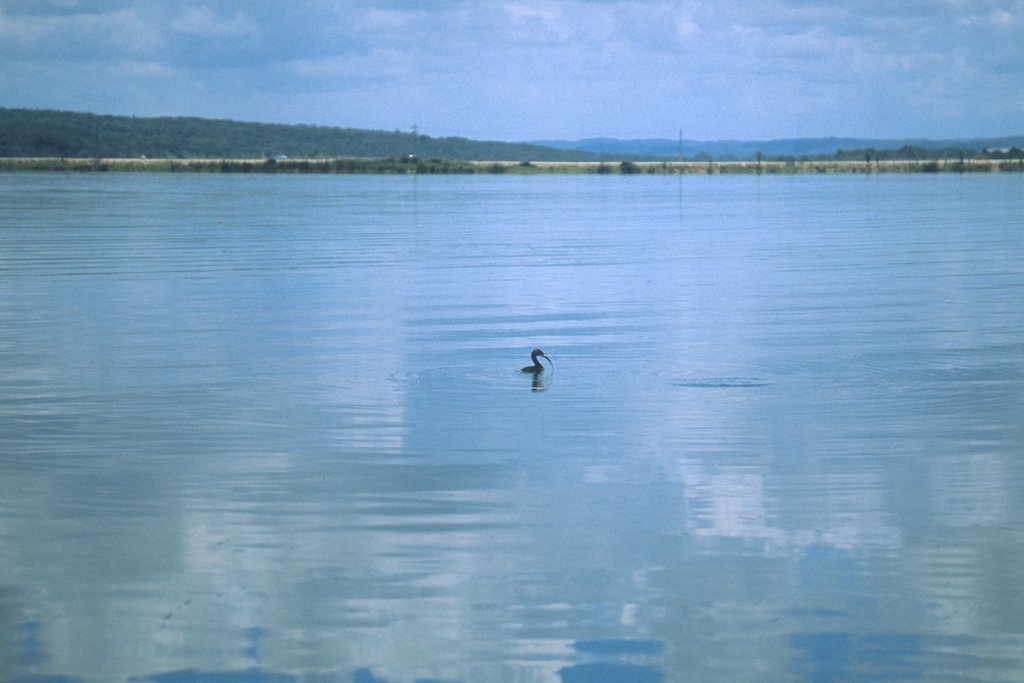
pixel 272 428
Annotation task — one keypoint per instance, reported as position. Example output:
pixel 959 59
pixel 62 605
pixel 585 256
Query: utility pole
pixel 414 154
pixel 680 145
pixel 96 159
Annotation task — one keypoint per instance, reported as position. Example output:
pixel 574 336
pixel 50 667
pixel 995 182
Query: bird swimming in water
pixel 536 368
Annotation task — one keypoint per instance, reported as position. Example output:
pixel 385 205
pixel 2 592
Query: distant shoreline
pixel 433 166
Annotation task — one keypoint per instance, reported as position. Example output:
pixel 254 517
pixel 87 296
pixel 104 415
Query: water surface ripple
pixel 273 428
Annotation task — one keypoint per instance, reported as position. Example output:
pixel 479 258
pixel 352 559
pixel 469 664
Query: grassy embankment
pixel 798 167
pixel 450 166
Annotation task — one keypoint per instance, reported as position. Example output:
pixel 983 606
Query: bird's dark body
pixel 537 367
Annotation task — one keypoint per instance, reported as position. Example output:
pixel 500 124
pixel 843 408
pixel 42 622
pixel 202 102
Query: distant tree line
pixel 50 133
pixel 912 152
pixel 435 165
pixel 73 135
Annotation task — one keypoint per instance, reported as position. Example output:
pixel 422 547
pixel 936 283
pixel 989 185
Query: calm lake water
pixel 272 428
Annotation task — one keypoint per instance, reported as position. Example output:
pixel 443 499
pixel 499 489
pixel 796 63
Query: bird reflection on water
pixel 537 369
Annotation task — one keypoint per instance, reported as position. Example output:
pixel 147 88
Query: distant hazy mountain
pixel 795 147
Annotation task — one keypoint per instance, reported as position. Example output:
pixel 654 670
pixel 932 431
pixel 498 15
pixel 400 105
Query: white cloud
pixel 537 22
pixel 202 22
pixel 1000 17
pixel 136 69
pixel 77 36
pixel 379 20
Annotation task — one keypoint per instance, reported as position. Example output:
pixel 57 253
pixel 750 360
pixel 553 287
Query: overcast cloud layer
pixel 524 69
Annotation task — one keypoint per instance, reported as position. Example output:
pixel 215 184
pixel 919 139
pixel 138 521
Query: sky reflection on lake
pixel 273 428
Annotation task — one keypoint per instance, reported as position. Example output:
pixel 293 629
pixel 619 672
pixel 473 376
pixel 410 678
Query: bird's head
pixel 538 352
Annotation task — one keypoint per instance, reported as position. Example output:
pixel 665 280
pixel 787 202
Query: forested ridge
pixel 53 133
pixel 74 135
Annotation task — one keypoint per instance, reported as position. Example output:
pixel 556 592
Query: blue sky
pixel 526 69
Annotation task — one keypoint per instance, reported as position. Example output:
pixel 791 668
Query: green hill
pixel 51 133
